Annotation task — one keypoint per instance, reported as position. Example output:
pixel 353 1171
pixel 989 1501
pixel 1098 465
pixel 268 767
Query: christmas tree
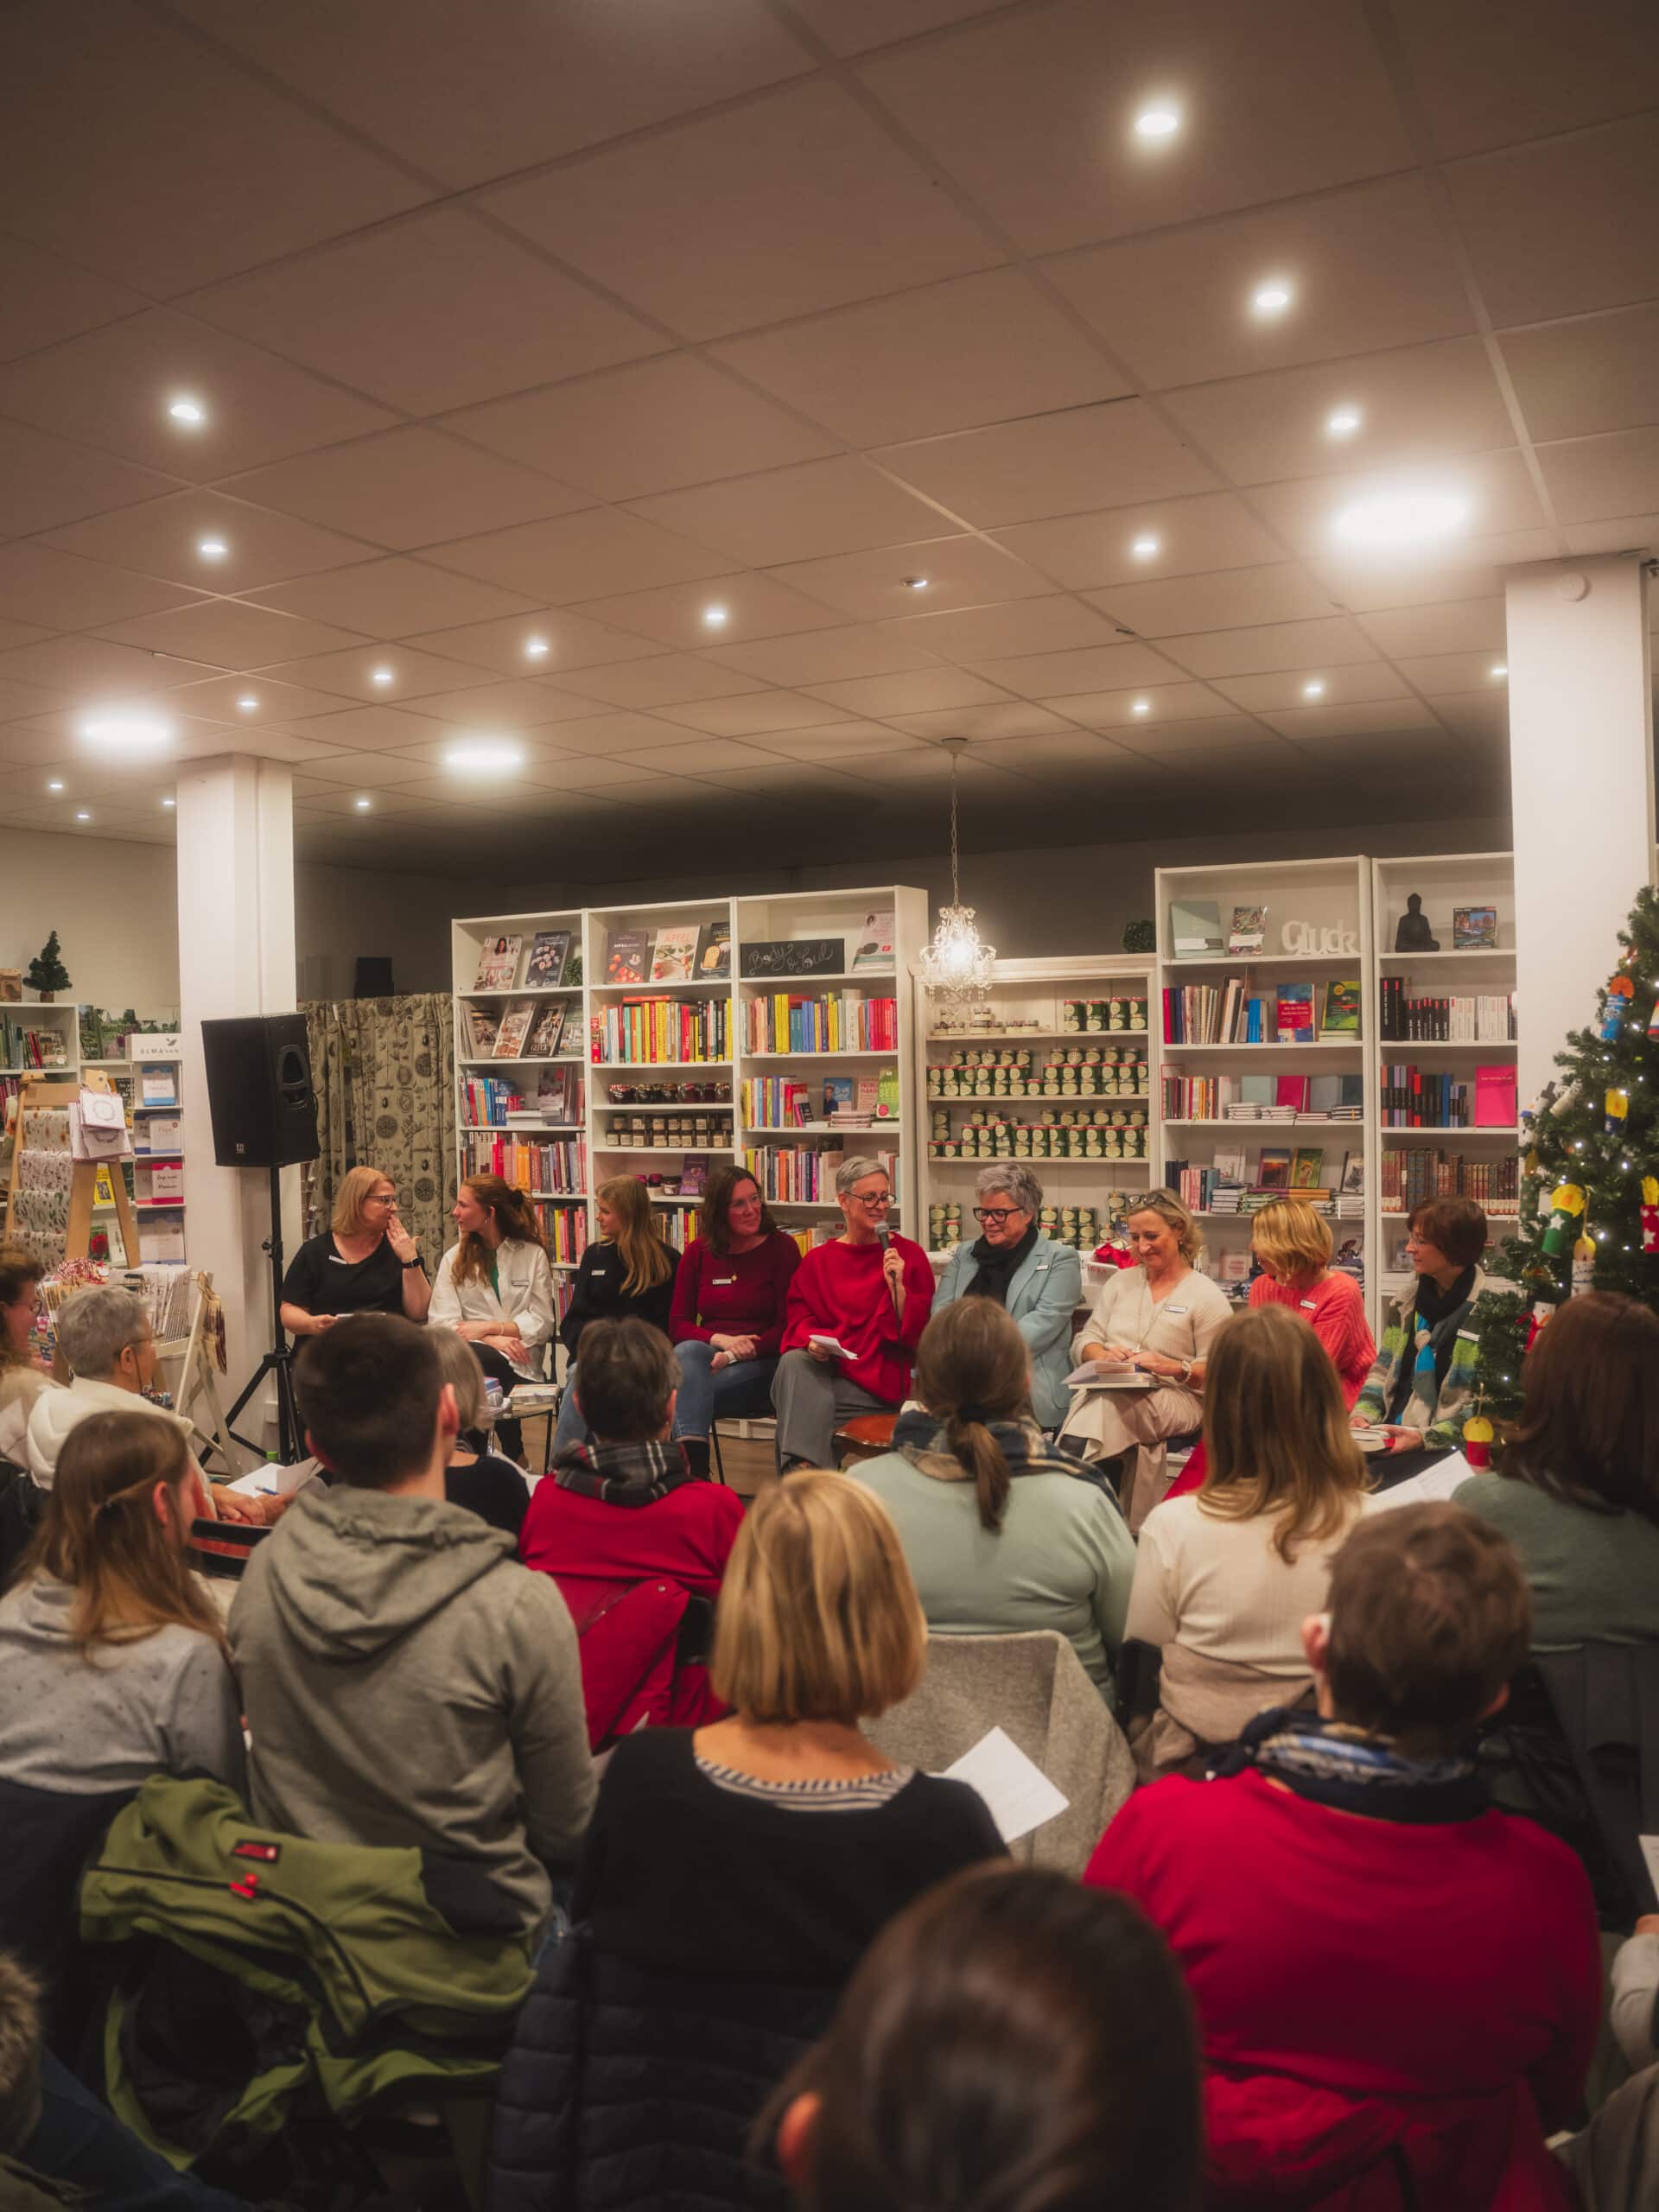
pixel 47 972
pixel 1589 1214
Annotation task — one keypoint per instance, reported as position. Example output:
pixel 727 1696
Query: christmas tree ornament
pixel 1584 1267
pixel 1478 1434
pixel 1538 1320
pixel 1649 1213
pixel 1615 1107
pixel 1565 1204
pixel 1615 1006
pixel 1653 1020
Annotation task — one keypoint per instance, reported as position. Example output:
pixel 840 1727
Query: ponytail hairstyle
pixel 647 1260
pixel 515 1218
pixel 972 1367
pixel 104 1535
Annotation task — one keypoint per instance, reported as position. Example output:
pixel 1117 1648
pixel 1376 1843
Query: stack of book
pixel 565 1230
pixel 662 1029
pixel 1229 1014
pixel 838 1021
pixel 799 1175
pixel 23 1047
pixel 557 1168
pixel 775 1102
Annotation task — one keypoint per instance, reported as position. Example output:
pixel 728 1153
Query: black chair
pixel 22 1508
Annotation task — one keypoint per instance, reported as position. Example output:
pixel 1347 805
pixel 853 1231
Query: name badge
pixel 1469 1336
pixel 723 1282
pixel 1310 1305
pixel 1174 1311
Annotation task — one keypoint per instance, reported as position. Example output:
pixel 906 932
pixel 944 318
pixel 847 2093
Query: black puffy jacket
pixel 625 2089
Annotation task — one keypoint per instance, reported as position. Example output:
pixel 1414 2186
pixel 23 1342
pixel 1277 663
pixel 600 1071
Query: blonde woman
pixel 1293 1245
pixel 366 1261
pixel 628 1274
pixel 773 1844
pixel 1148 1338
pixel 1225 1579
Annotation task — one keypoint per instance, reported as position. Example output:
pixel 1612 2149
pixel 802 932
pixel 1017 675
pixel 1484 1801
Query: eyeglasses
pixel 871 1199
pixel 998 1214
pixel 381 1198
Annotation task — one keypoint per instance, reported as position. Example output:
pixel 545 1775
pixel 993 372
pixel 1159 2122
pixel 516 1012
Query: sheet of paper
pixel 1097 1375
pixel 1438 1481
pixel 831 1345
pixel 1019 1795
pixel 261 1482
pixel 1650 1852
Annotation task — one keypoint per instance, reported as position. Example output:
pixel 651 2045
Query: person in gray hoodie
pixel 405 1681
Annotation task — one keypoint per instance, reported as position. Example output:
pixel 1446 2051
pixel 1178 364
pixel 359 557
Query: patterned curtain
pixel 385 1074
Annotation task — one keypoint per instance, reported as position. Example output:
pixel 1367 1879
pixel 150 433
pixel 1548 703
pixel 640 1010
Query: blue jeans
pixel 707 1396
pixel 572 1429
pixel 78 2140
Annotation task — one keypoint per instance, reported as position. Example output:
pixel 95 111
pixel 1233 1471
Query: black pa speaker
pixel 373 976
pixel 259 1070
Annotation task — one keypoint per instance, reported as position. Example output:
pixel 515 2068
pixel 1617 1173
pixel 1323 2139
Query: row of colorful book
pixel 1430 1098
pixel 23 1047
pixel 564 1231
pixel 1413 1172
pixel 1229 1013
pixel 556 1167
pixel 799 1175
pixel 838 1021
pixel 662 1030
pixel 1467 1018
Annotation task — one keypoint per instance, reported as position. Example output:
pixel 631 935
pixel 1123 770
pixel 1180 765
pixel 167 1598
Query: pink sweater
pixel 1336 1311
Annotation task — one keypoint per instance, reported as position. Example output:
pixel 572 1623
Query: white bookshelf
pixel 1469 1154
pixel 1310 898
pixel 1107 1098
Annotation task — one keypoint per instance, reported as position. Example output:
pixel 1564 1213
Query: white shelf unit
pixel 1323 895
pixel 796 917
pixel 1476 1155
pixel 1027 1002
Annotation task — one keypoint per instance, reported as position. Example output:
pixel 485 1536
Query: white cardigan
pixel 526 1297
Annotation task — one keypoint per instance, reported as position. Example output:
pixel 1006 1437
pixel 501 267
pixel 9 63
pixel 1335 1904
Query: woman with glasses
pixel 366 1261
pixel 857 1307
pixel 1038 1282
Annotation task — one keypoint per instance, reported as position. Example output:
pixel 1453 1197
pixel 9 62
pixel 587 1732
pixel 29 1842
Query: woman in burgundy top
pixel 726 1320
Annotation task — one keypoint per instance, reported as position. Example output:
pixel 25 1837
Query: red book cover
pixel 1292 1090
pixel 1495 1097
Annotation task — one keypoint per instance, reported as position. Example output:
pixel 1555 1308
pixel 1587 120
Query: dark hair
pixel 368 1394
pixel 1455 1226
pixel 1589 1426
pixel 515 1216
pixel 627 1375
pixel 714 1221
pixel 972 1366
pixel 1430 1617
pixel 19 2056
pixel 1012 2042
pixel 20 1271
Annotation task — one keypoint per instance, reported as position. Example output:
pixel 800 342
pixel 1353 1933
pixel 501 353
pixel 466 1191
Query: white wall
pixel 113 905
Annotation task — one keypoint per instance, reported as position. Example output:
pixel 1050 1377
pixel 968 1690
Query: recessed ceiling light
pixel 380 676
pixel 1145 546
pixel 717 617
pixel 55 785
pixel 492 756
pixel 211 549
pixel 1500 668
pixel 1343 422
pixel 1272 298
pixel 247 702
pixel 1162 120
pixel 1314 688
pixel 82 816
pixel 1140 706
pixel 128 732
pixel 185 410
pixel 915 583
pixel 362 804
pixel 1383 520
pixel 535 649
pixel 169 802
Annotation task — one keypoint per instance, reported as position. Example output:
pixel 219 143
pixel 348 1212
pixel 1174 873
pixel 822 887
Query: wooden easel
pixel 40 1094
pixel 196 1377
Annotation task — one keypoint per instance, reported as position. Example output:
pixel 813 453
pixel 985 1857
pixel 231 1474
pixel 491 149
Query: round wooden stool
pixel 866 1436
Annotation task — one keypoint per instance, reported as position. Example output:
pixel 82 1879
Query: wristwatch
pixel 417 1262
pixel 1186 1370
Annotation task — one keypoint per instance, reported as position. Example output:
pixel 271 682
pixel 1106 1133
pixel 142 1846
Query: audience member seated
pixel 406 1681
pixel 1011 2040
pixel 627 1273
pixel 868 1290
pixel 476 1477
pixel 1225 1577
pixel 726 1319
pixel 1037 1281
pixel 1003 1533
pixel 366 1261
pixel 495 1289
pixel 22 1377
pixel 789 1838
pixel 1153 1321
pixel 1391 1978
pixel 1576 1488
pixel 1635 2017
pixel 113 1667
pixel 1421 1389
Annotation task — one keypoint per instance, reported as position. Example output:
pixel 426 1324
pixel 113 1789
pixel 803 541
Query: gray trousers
pixel 811 1398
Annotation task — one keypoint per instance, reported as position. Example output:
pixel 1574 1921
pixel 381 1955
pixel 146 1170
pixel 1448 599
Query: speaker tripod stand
pixel 278 1362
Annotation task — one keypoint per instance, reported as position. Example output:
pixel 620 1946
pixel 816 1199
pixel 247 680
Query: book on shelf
pixel 1410 1173
pixel 497 964
pixel 650 1028
pixel 1337 1097
pixel 840 1095
pixel 628 955
pixel 674 953
pixel 558 1094
pixel 695 1169
pixel 1351 1184
pixel 873 954
pixel 1306 1169
pixel 1495 1096
pixel 1423 1098
pixel 1462 1018
pixel 1273 1167
pixel 482 1030
pixel 542 1166
pixel 1340 1017
pixel 515 1028
pixel 1474 929
pixel 546 1031
pixel 714 954
pixel 548 952
pixel 834 1022
pixel 1248 932
pixel 1292 1090
pixel 1195 929
pixel 1293 1013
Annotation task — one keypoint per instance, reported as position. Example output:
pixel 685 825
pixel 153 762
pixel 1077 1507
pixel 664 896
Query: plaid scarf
pixel 1335 1765
pixel 919 1436
pixel 623 1474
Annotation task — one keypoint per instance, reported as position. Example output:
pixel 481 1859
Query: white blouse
pixel 524 1297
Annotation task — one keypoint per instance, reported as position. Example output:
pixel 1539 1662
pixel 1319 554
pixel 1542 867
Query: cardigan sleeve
pixel 1210 1313
pixel 1097 1328
pixel 786 1259
pixel 1049 1320
pixel 683 1326
pixel 1341 1327
pixel 533 1312
pixel 445 1310
pixel 1373 1399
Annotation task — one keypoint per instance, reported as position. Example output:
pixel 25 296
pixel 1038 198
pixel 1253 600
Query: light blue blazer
pixel 1044 1293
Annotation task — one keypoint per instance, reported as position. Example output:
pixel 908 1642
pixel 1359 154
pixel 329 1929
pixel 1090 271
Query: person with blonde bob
pixel 1224 1579
pixel 366 1261
pixel 627 1273
pixel 1148 1339
pixel 1293 1244
pixel 792 1839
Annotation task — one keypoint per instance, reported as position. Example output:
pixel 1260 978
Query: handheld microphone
pixel 884 1236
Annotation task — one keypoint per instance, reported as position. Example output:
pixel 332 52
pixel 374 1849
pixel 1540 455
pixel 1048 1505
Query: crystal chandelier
pixel 955 965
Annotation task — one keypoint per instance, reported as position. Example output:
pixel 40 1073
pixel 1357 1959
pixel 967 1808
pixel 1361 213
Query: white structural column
pixel 236 957
pixel 1580 685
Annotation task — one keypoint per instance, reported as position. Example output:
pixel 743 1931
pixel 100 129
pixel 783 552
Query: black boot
pixel 696 1455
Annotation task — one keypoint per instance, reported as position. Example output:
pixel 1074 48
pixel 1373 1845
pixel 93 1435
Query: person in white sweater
pixel 494 1288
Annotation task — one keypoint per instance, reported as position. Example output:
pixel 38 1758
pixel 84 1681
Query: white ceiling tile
pixel 665 680
pixel 1163 703
pixel 1195 740
pixel 406 488
pixel 1624 534
pixel 394 598
pixel 478 93
pixel 1436 673
pixel 825 656
pixel 1330 641
pixel 855 26
pixel 162 537
pixel 582 557
pixel 379 772
pixel 605 735
pixel 49 299
pixel 1165 607
pixel 23 701
pixel 817 508
pixel 1352 684
pixel 350 675
pixel 1195 536
pixel 1497 487
pixel 896 580
pixel 920 691
pixel 39 584
pixel 597 771
pixel 1109 456
pixel 1474 714
pixel 144 154
pixel 45 481
pixel 434 313
pixel 755 713
pixel 838 741
pixel 1599 373
pixel 370 730
pixel 1553 69
pixel 20 633
pixel 506 706
pixel 1013 719
pixel 227 633
pixel 1054 625
pixel 1592 479
pixel 677 614
pixel 946 356
pixel 1096 668
pixel 87 668
pixel 696 756
pixel 1034 112
pixel 540 748
pixel 1455 626
pixel 572 641
pixel 827 210
pixel 1473 567
pixel 1051 759
pixel 1356 718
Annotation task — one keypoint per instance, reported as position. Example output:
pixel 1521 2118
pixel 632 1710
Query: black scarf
pixel 623 1474
pixel 1434 1305
pixel 996 1264
pixel 1331 1764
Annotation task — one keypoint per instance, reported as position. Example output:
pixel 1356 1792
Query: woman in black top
pixel 794 1839
pixel 627 1274
pixel 366 1261
pixel 478 1478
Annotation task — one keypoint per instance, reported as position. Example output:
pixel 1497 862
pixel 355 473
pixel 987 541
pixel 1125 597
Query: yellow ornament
pixel 1615 1107
pixel 1650 1191
pixel 1478 1434
pixel 1566 1204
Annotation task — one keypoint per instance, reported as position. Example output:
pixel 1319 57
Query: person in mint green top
pixel 1002 1533
pixel 1578 1491
pixel 1038 1282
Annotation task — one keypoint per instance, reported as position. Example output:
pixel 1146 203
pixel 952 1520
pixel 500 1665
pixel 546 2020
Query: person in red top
pixel 870 1294
pixel 726 1319
pixel 1393 1980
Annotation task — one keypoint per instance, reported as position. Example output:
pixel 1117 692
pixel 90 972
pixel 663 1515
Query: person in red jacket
pixel 857 1307
pixel 726 1319
pixel 1393 1980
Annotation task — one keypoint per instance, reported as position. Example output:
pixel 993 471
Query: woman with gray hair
pixel 1038 1282
pixel 856 1309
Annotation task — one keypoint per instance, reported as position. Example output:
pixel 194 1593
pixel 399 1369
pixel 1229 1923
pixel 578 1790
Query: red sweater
pixel 740 1293
pixel 1366 1973
pixel 839 1291
pixel 686 1536
pixel 1336 1311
